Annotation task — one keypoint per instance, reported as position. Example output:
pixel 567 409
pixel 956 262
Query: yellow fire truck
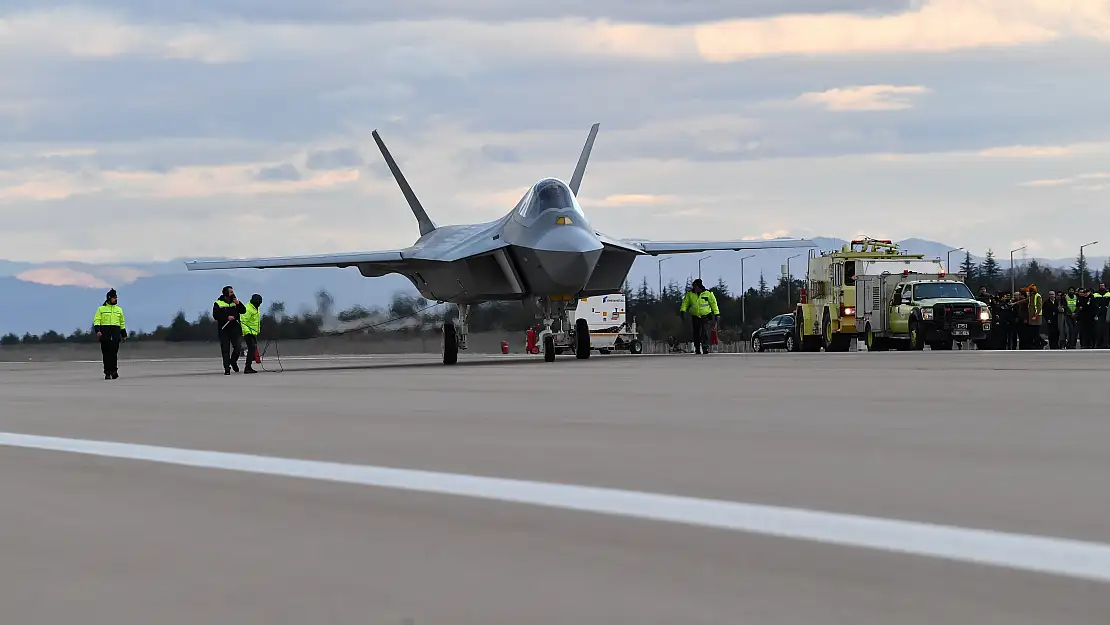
pixel 826 315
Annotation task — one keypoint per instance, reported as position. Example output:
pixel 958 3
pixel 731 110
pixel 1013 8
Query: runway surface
pixel 856 488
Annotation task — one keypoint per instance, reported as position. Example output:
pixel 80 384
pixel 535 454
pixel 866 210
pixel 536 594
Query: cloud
pixel 1077 182
pixel 278 173
pixel 339 158
pixel 636 199
pixel 170 115
pixel 1026 151
pixel 866 98
pixel 462 46
pixel 62 277
pixel 330 11
pixel 935 26
pixel 500 154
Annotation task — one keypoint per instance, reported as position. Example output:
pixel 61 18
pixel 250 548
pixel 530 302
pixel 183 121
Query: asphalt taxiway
pixel 947 487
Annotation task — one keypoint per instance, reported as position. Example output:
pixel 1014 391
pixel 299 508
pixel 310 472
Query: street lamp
pixel 1013 284
pixel 789 287
pixel 949 267
pixel 1082 265
pixel 699 265
pixel 661 274
pixel 743 293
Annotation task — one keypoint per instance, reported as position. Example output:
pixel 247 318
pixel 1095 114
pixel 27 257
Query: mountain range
pixel 62 296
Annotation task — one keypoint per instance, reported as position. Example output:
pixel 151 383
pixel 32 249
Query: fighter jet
pixel 544 250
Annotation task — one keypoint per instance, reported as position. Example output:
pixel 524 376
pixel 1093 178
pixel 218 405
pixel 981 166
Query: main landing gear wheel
pixel 549 348
pixel 582 339
pixel 450 344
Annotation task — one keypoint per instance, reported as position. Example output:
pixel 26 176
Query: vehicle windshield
pixel 547 195
pixel 936 290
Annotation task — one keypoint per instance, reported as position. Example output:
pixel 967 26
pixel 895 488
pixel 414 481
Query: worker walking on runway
pixel 252 323
pixel 702 307
pixel 111 330
pixel 226 311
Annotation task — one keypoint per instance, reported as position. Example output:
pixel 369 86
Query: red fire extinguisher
pixel 257 356
pixel 531 347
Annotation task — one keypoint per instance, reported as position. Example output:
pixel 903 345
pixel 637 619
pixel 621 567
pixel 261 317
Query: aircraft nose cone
pixel 568 239
pixel 568 257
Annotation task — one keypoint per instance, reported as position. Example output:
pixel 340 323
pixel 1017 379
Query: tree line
pixel 656 314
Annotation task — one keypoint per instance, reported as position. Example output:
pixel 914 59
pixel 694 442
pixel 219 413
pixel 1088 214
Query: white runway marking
pixel 1070 558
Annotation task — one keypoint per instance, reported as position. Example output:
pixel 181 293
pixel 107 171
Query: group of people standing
pixel 1071 319
pixel 235 321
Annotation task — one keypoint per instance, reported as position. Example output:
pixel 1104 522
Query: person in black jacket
pixel 1086 319
pixel 1052 320
pixel 226 311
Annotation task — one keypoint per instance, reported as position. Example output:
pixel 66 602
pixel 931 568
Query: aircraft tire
pixel 549 348
pixel 582 339
pixel 450 344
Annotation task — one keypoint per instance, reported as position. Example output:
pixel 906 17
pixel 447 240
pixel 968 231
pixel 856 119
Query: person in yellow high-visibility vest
pixel 251 320
pixel 701 305
pixel 111 330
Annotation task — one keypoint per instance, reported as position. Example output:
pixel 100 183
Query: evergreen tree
pixel 1080 271
pixel 763 292
pixel 971 272
pixel 721 289
pixel 989 271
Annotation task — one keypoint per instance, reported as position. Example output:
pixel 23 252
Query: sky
pixel 136 130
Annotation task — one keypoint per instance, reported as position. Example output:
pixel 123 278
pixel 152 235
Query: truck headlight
pixel 984 315
pixel 926 314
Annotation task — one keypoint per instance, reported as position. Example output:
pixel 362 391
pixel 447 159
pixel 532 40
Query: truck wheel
pixel 799 331
pixel 874 343
pixel 826 332
pixel 636 347
pixel 917 337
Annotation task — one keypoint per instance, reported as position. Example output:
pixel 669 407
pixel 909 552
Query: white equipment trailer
pixel 610 327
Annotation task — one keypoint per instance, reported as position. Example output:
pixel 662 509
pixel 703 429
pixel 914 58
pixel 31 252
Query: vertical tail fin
pixel 580 170
pixel 426 224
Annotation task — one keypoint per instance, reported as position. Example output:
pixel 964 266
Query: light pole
pixel 789 287
pixel 958 249
pixel 1082 265
pixel 661 275
pixel 743 293
pixel 1013 280
pixel 699 265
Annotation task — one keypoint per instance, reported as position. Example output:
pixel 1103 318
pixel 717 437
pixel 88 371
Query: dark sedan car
pixel 776 333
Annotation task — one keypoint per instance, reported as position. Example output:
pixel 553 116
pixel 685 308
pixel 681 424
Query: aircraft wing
pixel 378 263
pixel 655 248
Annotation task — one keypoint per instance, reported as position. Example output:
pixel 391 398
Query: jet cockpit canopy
pixel 548 194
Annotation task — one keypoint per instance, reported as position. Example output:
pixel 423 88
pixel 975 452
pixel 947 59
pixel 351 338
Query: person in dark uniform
pixel 1086 319
pixel 1052 314
pixel 111 330
pixel 1008 321
pixel 226 311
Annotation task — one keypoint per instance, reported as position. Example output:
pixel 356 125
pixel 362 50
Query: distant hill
pixel 62 296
